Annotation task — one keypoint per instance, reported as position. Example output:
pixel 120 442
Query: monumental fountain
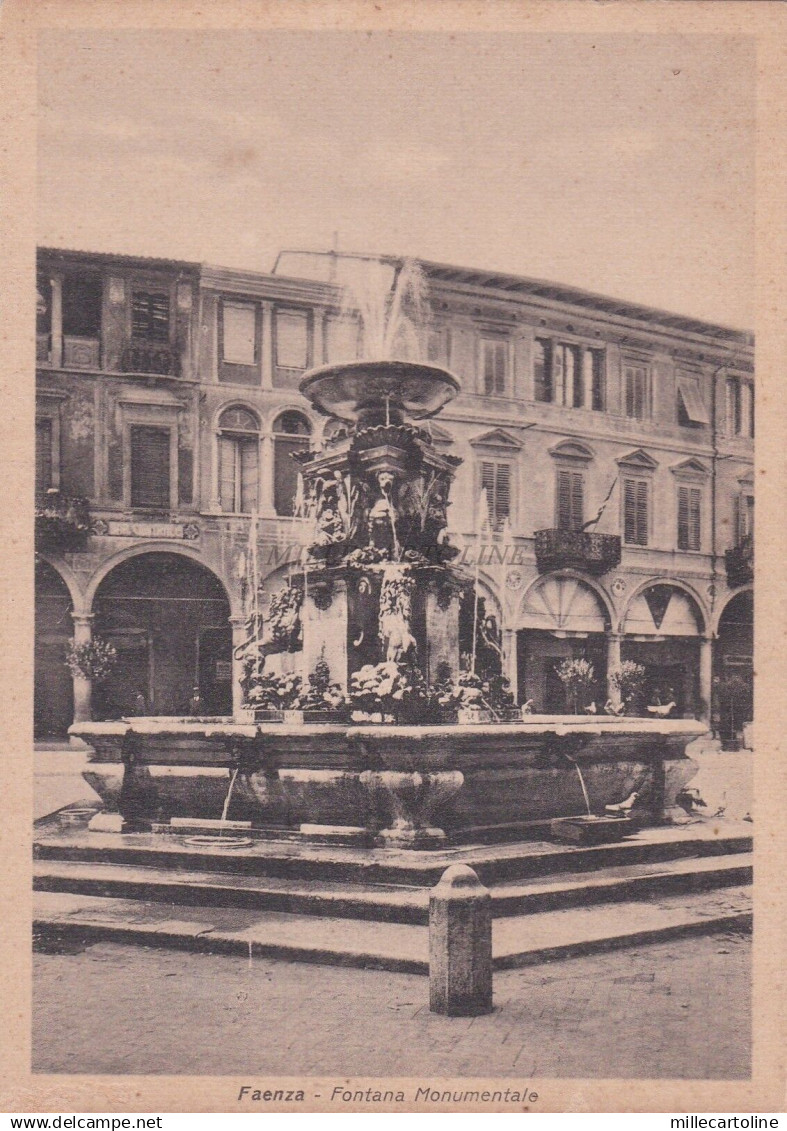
pixel 374 605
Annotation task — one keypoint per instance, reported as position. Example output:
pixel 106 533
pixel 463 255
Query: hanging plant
pixel 92 660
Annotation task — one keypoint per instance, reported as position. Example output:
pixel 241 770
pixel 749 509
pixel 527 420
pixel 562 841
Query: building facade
pixel 612 443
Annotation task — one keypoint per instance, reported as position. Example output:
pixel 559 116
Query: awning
pixel 693 403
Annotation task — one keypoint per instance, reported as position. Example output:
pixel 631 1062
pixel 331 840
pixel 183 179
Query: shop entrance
pixel 168 618
pixel 53 701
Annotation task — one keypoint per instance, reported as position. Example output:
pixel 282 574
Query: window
pixel 637 382
pixel 691 409
pixel 744 519
pixel 438 345
pixel 292 339
pixel 239 333
pixel 739 407
pixel 150 316
pixel 635 512
pixel 150 460
pixel 82 306
pixel 291 433
pixel 44 455
pixel 494 361
pixel 542 370
pixel 342 339
pixel 238 461
pixel 570 499
pixel 496 482
pixel 689 518
pixel 569 375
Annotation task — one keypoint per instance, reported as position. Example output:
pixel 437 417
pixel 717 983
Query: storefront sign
pixel 146 529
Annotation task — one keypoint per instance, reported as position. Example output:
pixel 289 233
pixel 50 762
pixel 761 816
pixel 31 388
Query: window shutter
pixel 558 377
pixel 149 466
pixel 292 339
pixel 635 512
pixel 570 500
pixel 642 513
pixel 597 359
pixel 150 316
pixel 239 333
pixel 695 498
pixel 227 473
pixel 542 370
pixel 43 455
pixel 503 494
pixel 249 472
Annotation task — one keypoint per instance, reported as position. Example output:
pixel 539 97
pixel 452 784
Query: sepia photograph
pixel 394 690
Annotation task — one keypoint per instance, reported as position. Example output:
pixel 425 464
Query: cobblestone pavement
pixel 678 1009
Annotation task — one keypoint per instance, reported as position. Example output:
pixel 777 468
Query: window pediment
pixel 692 468
pixel 572 450
pixel 499 439
pixel 637 460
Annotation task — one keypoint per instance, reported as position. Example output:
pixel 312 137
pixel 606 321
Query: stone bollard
pixel 460 944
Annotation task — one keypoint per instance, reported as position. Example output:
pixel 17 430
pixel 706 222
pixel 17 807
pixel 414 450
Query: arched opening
pixel 291 433
pixel 663 627
pixel 239 461
pixel 733 682
pixel 53 701
pixel 561 618
pixel 168 618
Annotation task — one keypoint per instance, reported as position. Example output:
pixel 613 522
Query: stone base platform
pixel 369 907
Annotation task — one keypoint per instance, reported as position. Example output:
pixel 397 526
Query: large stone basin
pixel 397 785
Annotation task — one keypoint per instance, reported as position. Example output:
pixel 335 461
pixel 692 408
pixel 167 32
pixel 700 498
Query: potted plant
pixel 577 677
pixel 272 695
pixel 388 692
pixel 628 682
pixel 465 697
pixel 322 701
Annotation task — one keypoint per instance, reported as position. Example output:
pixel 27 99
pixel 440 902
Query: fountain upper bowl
pixel 355 390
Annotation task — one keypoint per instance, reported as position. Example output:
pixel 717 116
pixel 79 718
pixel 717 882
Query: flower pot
pixel 471 716
pixel 268 715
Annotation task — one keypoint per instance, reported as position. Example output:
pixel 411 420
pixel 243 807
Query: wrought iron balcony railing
pixel 576 549
pixel 740 562
pixel 62 522
pixel 150 357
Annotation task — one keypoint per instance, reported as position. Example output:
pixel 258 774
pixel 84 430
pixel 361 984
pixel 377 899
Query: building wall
pixel 92 407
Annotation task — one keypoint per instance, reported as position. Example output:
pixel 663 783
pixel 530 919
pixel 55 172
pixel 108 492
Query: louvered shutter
pixel 642 513
pixel 43 455
pixel 570 500
pixel 488 485
pixel 249 465
pixel 695 497
pixel 542 370
pixel 635 512
pixel 227 461
pixel 149 467
pixel 150 316
pixel 502 507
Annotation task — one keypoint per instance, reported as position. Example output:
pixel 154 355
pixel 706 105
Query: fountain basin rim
pixel 545 724
pixel 393 368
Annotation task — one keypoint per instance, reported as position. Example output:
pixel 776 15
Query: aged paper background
pixel 20 22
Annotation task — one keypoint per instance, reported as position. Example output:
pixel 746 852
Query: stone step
pixel 381 902
pixel 63 919
pixel 495 864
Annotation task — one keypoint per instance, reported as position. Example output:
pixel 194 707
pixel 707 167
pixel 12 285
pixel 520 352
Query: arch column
pixel 613 665
pixel 706 678
pixel 510 661
pixel 83 687
pixel 238 639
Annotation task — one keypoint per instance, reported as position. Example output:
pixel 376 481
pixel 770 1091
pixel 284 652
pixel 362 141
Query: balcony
pixel 150 357
pixel 81 352
pixel 576 549
pixel 62 523
pixel 740 563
